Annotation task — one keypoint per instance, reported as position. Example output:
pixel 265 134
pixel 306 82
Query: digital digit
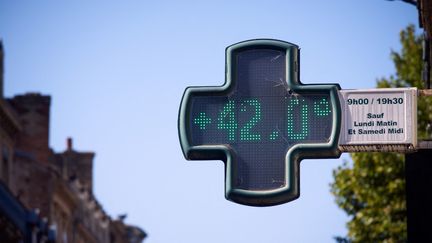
pixel 322 107
pixel 304 126
pixel 226 120
pixel 245 134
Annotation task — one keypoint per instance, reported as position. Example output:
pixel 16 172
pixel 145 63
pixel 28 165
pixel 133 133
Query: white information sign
pixel 378 118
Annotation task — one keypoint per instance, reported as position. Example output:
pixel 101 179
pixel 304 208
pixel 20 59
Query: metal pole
pixel 418 170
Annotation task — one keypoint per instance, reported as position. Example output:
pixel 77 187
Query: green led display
pixel 242 120
pixel 245 131
pixel 274 135
pixel 227 121
pixel 303 114
pixel 322 107
pixel 202 120
pixel 261 122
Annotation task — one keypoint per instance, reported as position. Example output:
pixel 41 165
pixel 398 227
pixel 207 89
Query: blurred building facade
pixel 47 196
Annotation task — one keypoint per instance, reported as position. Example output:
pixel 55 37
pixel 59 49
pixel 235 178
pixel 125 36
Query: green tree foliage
pixel 371 190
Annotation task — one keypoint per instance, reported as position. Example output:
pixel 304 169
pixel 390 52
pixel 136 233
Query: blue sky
pixel 116 71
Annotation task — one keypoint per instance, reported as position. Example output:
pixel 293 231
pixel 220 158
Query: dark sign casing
pixel 262 122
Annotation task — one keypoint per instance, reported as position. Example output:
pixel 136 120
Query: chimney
pixel 33 112
pixel 69 144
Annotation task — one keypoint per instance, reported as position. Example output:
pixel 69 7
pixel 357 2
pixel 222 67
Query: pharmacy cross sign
pixel 261 122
